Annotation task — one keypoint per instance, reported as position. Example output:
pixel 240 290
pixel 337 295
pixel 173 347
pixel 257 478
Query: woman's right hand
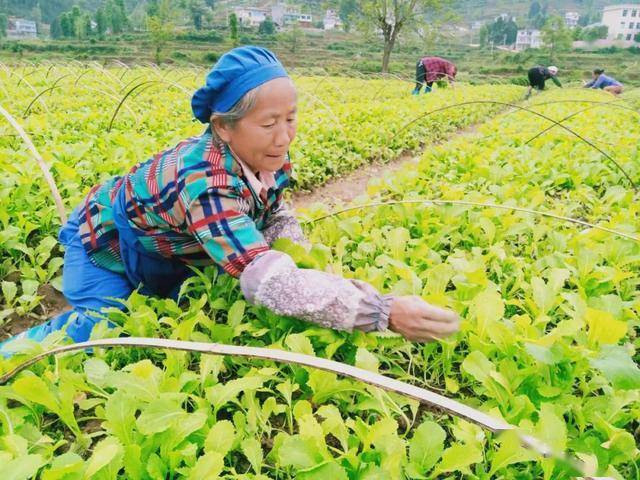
pixel 418 321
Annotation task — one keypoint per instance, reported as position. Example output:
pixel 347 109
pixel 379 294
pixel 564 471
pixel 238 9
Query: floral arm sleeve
pixel 271 278
pixel 283 224
pixel 274 281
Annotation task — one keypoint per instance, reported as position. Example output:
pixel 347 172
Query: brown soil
pixel 52 303
pixel 348 187
pixel 345 189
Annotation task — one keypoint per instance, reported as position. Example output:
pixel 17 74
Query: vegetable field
pixel 90 123
pixel 532 236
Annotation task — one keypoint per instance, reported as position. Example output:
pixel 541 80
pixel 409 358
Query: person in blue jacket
pixel 605 82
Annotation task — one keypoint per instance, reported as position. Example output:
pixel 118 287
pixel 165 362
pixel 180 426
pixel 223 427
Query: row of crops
pixel 90 123
pixel 549 341
pixel 550 307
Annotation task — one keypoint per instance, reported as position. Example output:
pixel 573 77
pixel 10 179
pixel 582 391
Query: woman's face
pixel 262 138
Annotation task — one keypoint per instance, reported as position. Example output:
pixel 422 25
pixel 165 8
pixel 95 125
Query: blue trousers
pixel 89 288
pixel 86 287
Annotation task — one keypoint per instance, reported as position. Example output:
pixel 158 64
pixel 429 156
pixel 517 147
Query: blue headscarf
pixel 234 74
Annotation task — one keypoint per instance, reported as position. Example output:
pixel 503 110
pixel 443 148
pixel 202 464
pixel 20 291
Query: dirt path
pixel 346 188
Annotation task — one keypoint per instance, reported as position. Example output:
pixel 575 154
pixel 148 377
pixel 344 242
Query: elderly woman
pixel 539 75
pixel 217 199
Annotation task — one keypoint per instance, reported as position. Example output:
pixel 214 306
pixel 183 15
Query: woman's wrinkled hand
pixel 418 321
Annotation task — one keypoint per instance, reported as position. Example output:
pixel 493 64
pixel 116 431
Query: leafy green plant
pixel 548 343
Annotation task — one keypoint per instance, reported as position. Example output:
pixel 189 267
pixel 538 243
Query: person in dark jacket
pixel 539 75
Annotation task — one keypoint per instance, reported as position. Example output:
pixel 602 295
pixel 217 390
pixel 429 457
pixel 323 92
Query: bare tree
pixel 391 17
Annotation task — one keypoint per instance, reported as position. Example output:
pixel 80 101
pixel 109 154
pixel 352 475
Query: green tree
pixel 556 36
pixel 67 25
pixel 116 15
pixel 75 17
pixel 101 21
pixel 392 17
pixel 484 35
pixel 122 14
pixel 292 38
pixel 576 33
pixel 347 11
pixel 594 33
pixel 81 23
pixel 56 29
pixel 267 27
pixel 4 23
pixel 81 28
pixel 152 8
pixel 87 24
pixel 161 27
pixel 500 32
pixel 36 16
pixel 197 10
pixel 233 29
pixel 537 14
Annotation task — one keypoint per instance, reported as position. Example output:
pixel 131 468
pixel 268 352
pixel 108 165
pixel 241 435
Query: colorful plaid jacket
pixel 197 203
pixel 192 202
pixel 437 68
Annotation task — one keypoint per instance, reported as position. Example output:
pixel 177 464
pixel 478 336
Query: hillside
pixel 486 9
pixel 49 9
pixel 468 10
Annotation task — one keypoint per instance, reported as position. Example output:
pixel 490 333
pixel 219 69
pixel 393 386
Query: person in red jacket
pixel 432 69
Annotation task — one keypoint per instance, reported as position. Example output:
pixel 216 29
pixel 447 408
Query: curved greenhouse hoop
pixel 422 395
pixel 524 109
pixel 326 107
pixel 43 165
pixel 435 201
pixel 146 83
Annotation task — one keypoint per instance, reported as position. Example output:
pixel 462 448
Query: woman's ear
pixel 223 131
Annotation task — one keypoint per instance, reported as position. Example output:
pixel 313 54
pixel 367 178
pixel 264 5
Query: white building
pixel 528 38
pixel 283 14
pixel 251 16
pixel 280 13
pixel 571 19
pixel 623 21
pixel 19 28
pixel 331 20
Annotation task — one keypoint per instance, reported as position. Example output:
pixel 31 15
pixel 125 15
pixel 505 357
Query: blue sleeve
pixel 598 83
pixel 590 84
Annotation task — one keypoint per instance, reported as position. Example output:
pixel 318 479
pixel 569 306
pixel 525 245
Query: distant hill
pixel 473 10
pixel 468 10
pixel 50 9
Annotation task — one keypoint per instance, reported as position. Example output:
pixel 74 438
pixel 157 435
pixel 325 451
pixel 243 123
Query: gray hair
pixel 241 108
